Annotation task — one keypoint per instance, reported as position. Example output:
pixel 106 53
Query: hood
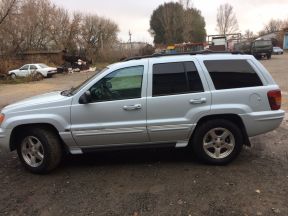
pixel 16 70
pixel 38 102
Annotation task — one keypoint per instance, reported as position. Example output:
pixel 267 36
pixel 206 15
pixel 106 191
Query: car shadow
pixel 139 156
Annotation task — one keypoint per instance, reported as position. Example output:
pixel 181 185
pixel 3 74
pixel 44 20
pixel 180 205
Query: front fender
pixel 60 123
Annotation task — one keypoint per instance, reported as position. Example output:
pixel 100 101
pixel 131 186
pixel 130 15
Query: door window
pixel 33 67
pixel 125 83
pixel 176 78
pixel 25 67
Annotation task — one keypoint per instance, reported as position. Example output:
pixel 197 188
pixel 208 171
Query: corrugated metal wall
pixel 285 44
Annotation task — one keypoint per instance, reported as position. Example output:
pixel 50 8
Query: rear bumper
pixel 262 122
pixel 5 140
pixel 51 72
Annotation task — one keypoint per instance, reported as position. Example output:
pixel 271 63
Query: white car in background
pixel 40 70
pixel 277 51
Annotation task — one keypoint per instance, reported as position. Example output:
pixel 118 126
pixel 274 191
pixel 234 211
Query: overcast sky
pixel 135 15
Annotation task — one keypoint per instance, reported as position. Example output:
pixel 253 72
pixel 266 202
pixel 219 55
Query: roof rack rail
pixel 205 52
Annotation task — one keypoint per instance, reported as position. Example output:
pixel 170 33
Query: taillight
pixel 275 99
pixel 2 116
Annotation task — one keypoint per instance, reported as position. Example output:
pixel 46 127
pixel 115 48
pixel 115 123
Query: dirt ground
pixel 150 182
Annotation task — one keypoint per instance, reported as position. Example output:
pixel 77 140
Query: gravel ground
pixel 150 182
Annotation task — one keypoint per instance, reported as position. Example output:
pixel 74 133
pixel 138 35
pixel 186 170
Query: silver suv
pixel 212 103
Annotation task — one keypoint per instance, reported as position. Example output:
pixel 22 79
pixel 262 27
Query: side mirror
pixel 85 98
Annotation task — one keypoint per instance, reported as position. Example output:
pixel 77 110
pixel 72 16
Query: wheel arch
pixel 18 130
pixel 230 117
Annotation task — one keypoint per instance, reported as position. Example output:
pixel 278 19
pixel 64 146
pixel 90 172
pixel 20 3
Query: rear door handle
pixel 198 101
pixel 132 107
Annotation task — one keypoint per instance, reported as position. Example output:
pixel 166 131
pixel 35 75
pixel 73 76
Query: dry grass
pixel 19 80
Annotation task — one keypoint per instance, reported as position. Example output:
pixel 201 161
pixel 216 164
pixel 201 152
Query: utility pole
pixel 101 41
pixel 101 38
pixel 130 41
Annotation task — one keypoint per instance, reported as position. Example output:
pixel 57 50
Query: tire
pixel 41 144
pixel 269 56
pixel 37 76
pixel 257 57
pixel 207 149
pixel 13 76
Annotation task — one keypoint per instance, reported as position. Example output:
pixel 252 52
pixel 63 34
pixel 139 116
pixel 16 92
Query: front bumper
pixel 262 122
pixel 5 140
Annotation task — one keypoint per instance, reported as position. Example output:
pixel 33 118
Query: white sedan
pixel 277 51
pixel 40 70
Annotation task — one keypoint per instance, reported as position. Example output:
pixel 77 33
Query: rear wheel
pixel 269 56
pixel 39 150
pixel 217 141
pixel 39 76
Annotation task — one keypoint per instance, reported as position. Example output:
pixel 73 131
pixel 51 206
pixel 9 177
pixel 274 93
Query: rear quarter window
pixel 228 74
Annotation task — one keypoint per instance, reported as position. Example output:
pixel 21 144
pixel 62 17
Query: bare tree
pixel 248 34
pixel 65 30
pixel 226 20
pixel 285 23
pixel 187 4
pixel 96 34
pixel 41 25
pixel 273 26
pixel 6 7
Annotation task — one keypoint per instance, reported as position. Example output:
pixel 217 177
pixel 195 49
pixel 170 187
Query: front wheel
pixel 13 76
pixel 39 150
pixel 217 141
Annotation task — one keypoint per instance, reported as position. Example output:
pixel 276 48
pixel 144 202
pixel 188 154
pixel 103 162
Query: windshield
pixel 74 90
pixel 43 66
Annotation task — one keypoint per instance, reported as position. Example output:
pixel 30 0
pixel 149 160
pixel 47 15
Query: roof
pixel 206 52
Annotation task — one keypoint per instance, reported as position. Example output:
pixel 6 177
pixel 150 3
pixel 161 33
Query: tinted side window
pixel 33 67
pixel 121 84
pixel 227 74
pixel 175 78
pixel 25 67
pixel 194 81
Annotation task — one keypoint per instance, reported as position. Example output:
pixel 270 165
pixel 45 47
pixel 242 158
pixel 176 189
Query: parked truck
pixel 257 48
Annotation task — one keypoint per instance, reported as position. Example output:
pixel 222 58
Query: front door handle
pixel 132 107
pixel 198 101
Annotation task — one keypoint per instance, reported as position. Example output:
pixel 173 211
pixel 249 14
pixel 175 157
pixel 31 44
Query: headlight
pixel 2 116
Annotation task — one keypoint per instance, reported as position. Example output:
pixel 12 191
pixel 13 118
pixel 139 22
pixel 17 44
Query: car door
pixel 117 112
pixel 23 71
pixel 177 96
pixel 32 69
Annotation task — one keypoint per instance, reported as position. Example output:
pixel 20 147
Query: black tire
pixel 52 151
pixel 257 57
pixel 269 56
pixel 39 76
pixel 207 126
pixel 13 76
